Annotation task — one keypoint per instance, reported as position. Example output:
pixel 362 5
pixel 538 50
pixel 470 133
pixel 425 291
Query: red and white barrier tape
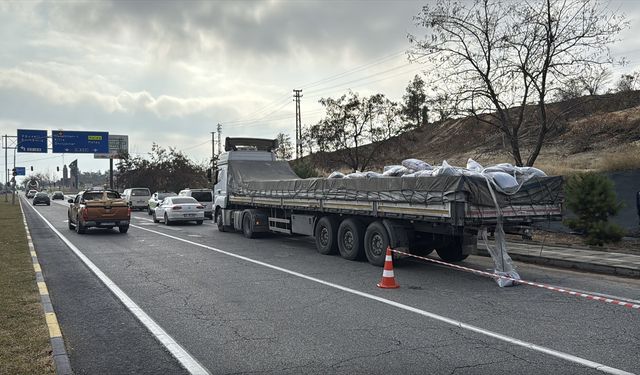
pixel 538 285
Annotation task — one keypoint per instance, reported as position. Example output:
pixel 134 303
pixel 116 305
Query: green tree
pixel 592 199
pixel 414 108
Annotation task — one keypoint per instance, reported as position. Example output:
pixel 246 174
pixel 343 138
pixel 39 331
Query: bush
pixel 304 169
pixel 592 198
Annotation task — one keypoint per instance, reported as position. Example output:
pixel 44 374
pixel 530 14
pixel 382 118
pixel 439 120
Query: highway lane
pixel 237 316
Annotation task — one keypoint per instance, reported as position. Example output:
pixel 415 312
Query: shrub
pixel 304 169
pixel 592 198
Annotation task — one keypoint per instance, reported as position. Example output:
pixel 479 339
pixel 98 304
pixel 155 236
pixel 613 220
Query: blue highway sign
pixel 21 171
pixel 32 140
pixel 76 142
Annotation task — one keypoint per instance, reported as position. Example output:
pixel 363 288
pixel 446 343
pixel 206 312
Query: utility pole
pixel 6 169
pixel 297 94
pixel 219 138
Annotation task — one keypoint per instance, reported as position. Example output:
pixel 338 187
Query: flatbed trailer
pixel 255 193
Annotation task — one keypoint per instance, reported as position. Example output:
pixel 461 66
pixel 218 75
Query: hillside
pixel 595 133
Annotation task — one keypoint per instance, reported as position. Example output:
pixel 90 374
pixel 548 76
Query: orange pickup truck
pixel 98 208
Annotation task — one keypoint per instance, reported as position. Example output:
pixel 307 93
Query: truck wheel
pixel 247 229
pixel 221 227
pixel 326 235
pixel 155 219
pixel 123 229
pixel 452 252
pixel 350 239
pixel 376 241
pixel 80 229
pixel 166 220
pixel 198 222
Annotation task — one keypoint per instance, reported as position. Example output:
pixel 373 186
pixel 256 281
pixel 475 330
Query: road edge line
pixel 58 350
pixel 555 353
pixel 187 361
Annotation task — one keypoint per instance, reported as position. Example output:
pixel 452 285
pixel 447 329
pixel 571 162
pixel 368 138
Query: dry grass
pixel 24 337
pixel 620 161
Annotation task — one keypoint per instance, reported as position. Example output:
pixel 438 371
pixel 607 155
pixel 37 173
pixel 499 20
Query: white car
pixel 174 209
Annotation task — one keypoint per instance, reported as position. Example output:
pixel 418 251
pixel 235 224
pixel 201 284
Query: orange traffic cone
pixel 388 281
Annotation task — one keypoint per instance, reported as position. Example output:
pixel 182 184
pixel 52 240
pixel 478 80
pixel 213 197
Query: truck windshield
pixel 202 196
pixel 139 192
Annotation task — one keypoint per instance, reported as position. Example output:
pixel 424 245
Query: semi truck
pixel 359 218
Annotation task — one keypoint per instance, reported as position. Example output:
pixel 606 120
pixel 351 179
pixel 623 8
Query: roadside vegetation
pixel 24 337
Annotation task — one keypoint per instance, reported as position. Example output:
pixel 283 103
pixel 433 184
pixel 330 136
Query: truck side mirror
pixel 70 200
pixel 215 177
pixel 209 175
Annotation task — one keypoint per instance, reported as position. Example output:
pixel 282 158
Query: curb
pixel 58 350
pixel 570 264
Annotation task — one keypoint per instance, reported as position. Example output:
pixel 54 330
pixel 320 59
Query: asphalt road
pixel 274 305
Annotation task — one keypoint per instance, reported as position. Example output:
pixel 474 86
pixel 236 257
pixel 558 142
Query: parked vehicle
pixel 204 196
pixel 137 198
pixel 255 192
pixel 31 193
pixel 174 209
pixel 41 198
pixel 156 198
pixel 100 209
pixel 57 195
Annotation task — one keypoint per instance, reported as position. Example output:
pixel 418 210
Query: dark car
pixel 57 195
pixel 41 198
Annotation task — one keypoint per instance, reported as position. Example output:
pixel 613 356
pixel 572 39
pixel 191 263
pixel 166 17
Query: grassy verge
pixel 24 337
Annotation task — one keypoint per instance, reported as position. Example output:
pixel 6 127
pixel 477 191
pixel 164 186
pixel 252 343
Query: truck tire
pixel 80 229
pixel 351 239
pixel 123 229
pixel 198 222
pixel 326 234
pixel 376 241
pixel 221 227
pixel 247 229
pixel 452 252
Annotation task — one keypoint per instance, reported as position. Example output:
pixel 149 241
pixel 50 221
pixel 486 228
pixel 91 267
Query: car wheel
pixel 49 204
pixel 166 220
pixel 155 219
pixel 123 229
pixel 221 227
pixel 350 239
pixel 247 229
pixel 326 235
pixel 376 241
pixel 80 229
pixel 198 222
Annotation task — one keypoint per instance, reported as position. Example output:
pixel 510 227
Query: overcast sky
pixel 168 72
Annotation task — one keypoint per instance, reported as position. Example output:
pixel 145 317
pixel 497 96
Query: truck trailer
pixel 256 193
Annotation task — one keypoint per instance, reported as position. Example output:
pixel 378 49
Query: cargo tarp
pixel 276 179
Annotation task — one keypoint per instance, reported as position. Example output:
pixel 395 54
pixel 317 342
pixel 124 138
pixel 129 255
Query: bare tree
pixel 628 82
pixel 500 57
pixel 285 147
pixel 355 126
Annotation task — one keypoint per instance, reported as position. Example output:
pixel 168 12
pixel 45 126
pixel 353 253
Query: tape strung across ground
pixel 520 281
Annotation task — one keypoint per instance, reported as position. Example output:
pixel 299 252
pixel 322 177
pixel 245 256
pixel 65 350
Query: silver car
pixel 174 209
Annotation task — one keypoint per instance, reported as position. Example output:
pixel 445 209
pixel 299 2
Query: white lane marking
pixel 186 360
pixel 143 218
pixel 456 323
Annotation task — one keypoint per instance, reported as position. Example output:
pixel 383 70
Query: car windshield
pixel 139 192
pixel 183 200
pixel 41 195
pixel 164 195
pixel 202 196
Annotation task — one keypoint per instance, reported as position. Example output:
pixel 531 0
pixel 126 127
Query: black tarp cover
pixel 276 179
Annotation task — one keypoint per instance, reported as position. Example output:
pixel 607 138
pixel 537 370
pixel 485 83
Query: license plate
pixel 189 215
pixel 108 224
